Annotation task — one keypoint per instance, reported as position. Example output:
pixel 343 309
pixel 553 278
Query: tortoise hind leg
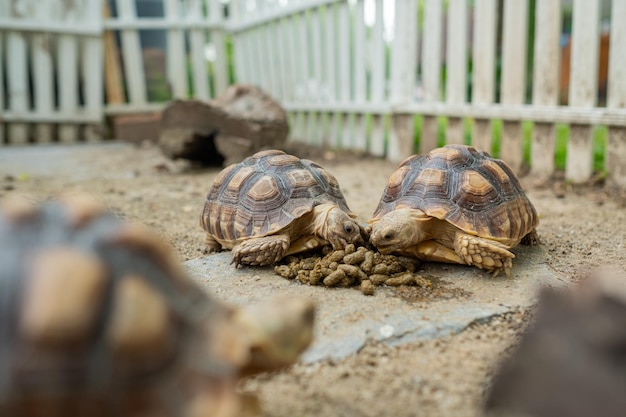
pixel 212 245
pixel 531 239
pixel 261 250
pixel 484 253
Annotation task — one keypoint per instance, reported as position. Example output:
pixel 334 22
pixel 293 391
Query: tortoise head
pixel 398 229
pixel 341 229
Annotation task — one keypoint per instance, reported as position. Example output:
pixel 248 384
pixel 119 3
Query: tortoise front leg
pixel 484 253
pixel 430 250
pixel 261 250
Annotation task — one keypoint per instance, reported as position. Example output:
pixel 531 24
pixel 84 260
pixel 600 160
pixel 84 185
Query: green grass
pixel 562 131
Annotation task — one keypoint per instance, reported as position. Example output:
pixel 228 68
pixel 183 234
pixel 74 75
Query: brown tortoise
pixel 273 204
pixel 98 319
pixel 455 204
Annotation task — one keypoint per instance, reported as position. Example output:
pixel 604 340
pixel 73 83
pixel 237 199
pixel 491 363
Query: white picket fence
pixel 352 73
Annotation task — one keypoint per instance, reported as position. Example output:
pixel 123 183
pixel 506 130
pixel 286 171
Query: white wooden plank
pixel 304 55
pixel 430 130
pixel 377 141
pixel 292 54
pixel 403 77
pixel 456 65
pixel 615 160
pixel 319 90
pixel 271 61
pixel 93 71
pixel 18 91
pixel 583 86
pixel 43 87
pixel 220 66
pixel 545 83
pixel 484 51
pixel 542 151
pixel 404 52
pixel 344 52
pixel 2 104
pixel 330 49
pixel 616 155
pixel 546 52
pixel 513 86
pixel 514 41
pixel 197 41
pixel 176 57
pixel 134 75
pixel 456 52
pixel 67 65
pixel 281 49
pixel 359 68
pixel 617 60
pixel 431 50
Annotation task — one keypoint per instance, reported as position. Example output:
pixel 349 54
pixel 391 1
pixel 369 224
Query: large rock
pixel 235 125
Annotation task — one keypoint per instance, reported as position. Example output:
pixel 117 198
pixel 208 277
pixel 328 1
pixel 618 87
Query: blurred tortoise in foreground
pixel 455 204
pixel 98 319
pixel 272 205
pixel 571 361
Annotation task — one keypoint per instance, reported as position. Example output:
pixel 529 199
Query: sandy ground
pixel 581 227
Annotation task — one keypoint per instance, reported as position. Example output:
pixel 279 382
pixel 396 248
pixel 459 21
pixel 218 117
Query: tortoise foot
pixel 212 245
pixel 260 251
pixel 484 254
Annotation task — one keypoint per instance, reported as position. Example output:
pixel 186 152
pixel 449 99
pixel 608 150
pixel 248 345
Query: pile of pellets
pixel 352 266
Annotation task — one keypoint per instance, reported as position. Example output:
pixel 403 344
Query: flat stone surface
pixel 347 319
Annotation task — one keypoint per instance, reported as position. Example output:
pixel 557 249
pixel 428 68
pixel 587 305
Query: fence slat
pixel 330 69
pixel 43 87
pixel 431 69
pixel 456 65
pixel 484 54
pixel 616 146
pixel 545 83
pixel 403 72
pixel 68 84
pixel 176 56
pixel 344 72
pixel 18 91
pixel 92 71
pixel 282 50
pixel 359 69
pixel 2 125
pixel 583 86
pixel 377 143
pixel 220 65
pixel 514 42
pixel 132 56
pixel 197 41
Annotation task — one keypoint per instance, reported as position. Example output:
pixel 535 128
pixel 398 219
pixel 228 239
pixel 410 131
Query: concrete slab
pixel 347 319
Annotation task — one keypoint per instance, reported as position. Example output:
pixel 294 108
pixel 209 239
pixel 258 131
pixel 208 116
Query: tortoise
pixel 273 204
pixel 97 318
pixel 455 204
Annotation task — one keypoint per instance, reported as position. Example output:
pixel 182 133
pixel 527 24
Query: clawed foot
pixel 484 254
pixel 260 251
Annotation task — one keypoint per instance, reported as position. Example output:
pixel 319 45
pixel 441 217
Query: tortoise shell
pixel 466 187
pixel 97 318
pixel 265 193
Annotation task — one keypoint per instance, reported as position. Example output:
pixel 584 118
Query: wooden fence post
pixel 456 66
pixel 403 78
pixel 583 87
pixel 545 83
pixel 220 66
pixel 431 69
pixel 616 146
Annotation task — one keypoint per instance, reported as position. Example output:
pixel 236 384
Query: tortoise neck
pixel 319 224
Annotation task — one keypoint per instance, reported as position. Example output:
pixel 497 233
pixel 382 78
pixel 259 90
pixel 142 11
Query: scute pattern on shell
pixel 264 193
pixel 464 186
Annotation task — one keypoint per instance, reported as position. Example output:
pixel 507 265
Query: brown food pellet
pixel 336 256
pixel 368 262
pixel 366 287
pixel 403 279
pixel 354 258
pixel 303 276
pixel 316 274
pixel 410 264
pixel 378 279
pixel 353 271
pixel 381 269
pixel 335 278
pixel 350 249
pixel 285 271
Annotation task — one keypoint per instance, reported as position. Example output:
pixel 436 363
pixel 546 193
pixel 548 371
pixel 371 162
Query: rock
pixel 235 125
pixel 572 361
